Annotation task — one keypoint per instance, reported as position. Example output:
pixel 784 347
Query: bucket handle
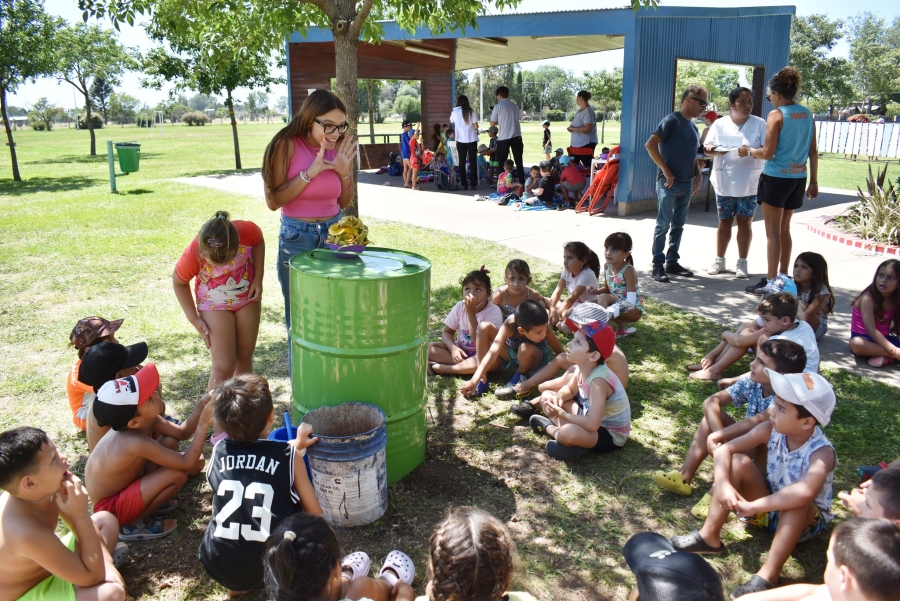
pixel 357 252
pixel 291 434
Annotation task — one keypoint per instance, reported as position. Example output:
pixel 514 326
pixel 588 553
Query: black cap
pixel 665 574
pixel 407 124
pixel 103 361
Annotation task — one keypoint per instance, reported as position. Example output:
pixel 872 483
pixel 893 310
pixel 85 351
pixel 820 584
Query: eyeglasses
pixel 330 129
pixel 700 101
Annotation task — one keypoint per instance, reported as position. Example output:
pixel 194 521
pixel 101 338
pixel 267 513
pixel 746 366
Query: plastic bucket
pixel 349 471
pixel 286 433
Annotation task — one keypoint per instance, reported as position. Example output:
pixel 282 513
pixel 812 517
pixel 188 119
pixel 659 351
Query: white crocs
pixel 358 564
pixel 401 564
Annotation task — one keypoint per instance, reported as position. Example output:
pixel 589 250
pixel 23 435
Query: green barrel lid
pixel 371 264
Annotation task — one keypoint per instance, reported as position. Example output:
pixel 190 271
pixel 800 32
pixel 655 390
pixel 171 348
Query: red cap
pixel 711 116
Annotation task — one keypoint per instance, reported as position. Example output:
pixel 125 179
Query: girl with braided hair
pixel 471 557
pixel 303 563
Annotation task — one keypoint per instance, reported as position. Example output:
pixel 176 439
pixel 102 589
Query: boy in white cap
pixel 793 498
pixel 129 473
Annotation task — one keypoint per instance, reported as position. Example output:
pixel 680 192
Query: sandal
pixel 756 584
pixel 148 528
pixel 694 543
pixel 167 507
pixel 119 555
pixel 403 568
pixel 357 564
pixel 673 481
pixel 539 424
pixel 880 361
pixel 701 509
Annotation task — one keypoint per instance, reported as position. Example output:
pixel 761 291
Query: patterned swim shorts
pixel 728 206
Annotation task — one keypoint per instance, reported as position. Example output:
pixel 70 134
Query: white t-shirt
pixel 804 336
pixel 586 278
pixel 457 320
pixel 732 175
pixel 584 117
pixel 462 131
pixel 506 116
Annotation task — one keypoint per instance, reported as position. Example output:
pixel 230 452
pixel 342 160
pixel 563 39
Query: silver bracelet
pixel 348 176
pixel 304 176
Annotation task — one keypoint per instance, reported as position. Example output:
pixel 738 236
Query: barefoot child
pixel 303 563
pixel 35 564
pixel 581 268
pixel 590 413
pixel 754 391
pixel 256 483
pixel 792 498
pixel 878 497
pixel 130 474
pixel 875 322
pixel 814 291
pixel 521 344
pixel 863 565
pixel 469 328
pixel 225 260
pixel 621 286
pixel 471 557
pixel 86 333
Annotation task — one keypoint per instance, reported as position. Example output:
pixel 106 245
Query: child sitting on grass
pixel 517 276
pixel 863 565
pixel 132 475
pixel 777 319
pixel 247 473
pixel 303 563
pixel 590 413
pixel 469 328
pixel 621 285
pixel 878 497
pixel 581 268
pixel 717 427
pixel 86 333
pixel 875 321
pixel 521 344
pixel 471 557
pixel 35 564
pixel 792 498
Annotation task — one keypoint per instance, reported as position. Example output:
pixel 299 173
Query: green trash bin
pixel 359 332
pixel 129 156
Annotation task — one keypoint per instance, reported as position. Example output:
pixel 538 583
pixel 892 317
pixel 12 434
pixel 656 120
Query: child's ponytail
pixel 300 558
pixel 218 239
pixel 593 263
pixel 585 255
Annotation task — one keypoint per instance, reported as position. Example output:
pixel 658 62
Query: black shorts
pixel 605 442
pixel 781 192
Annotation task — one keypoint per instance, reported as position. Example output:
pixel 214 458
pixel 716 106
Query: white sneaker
pixel 740 270
pixel 718 266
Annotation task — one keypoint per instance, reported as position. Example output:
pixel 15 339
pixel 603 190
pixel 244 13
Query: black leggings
pixel 468 150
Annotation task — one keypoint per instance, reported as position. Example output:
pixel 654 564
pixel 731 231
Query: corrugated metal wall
pixel 655 46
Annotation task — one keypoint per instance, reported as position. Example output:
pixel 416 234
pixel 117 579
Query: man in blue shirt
pixel 673 147
pixel 404 152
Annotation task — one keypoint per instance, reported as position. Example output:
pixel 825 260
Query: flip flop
pixel 119 555
pixel 673 481
pixel 401 564
pixel 147 529
pixel 701 509
pixel 756 584
pixel 358 564
pixel 694 543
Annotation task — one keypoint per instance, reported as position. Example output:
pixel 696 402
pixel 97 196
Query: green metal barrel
pixel 359 328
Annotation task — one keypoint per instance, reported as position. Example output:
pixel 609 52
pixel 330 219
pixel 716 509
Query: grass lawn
pixel 72 249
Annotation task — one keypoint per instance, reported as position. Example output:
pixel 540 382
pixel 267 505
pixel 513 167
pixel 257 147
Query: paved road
pixel 543 233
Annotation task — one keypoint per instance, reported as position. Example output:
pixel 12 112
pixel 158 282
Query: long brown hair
pixel 316 104
pixel 218 239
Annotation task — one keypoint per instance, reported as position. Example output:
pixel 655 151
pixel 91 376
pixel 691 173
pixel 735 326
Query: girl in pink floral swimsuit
pixel 225 261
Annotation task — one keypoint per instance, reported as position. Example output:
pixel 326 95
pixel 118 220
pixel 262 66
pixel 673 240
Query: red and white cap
pixel 807 389
pixel 132 390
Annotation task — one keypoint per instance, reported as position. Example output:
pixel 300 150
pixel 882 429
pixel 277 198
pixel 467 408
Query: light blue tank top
pixel 792 151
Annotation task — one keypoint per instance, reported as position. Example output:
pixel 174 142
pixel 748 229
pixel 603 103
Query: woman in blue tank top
pixel 790 141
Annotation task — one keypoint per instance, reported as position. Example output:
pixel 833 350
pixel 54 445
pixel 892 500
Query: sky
pixel 63 94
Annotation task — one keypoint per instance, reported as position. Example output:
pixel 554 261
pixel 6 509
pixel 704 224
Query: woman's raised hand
pixel 319 164
pixel 343 159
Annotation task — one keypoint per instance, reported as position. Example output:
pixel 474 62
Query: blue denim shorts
pixel 729 206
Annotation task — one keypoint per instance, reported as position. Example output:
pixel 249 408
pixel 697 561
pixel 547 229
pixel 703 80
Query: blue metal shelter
pixel 653 41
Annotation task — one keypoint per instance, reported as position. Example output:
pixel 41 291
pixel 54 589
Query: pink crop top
pixel 320 196
pixel 858 327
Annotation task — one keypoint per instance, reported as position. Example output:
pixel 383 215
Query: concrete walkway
pixel 543 233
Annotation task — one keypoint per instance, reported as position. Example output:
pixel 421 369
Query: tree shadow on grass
pixel 37 185
pixel 86 159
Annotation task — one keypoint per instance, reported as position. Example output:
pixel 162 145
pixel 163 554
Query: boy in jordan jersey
pixel 256 483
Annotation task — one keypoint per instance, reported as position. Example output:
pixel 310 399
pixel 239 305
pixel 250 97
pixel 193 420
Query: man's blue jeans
pixel 671 213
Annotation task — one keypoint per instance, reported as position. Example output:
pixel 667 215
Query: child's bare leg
pixel 709 359
pixel 484 338
pixel 618 364
pixel 113 587
pixel 438 353
pixel 379 589
pixel 605 300
pixel 528 357
pixel 630 316
pixel 791 524
pixel 547 372
pixel 222 351
pixel 158 487
pixel 246 331
pixel 750 484
pixel 464 368
pixel 571 435
pixel 728 357
pixel 867 348
pixel 107 527
pixel 699 450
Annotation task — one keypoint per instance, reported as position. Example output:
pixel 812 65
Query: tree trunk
pixel 9 137
pixel 369 88
pixel 229 102
pixel 346 71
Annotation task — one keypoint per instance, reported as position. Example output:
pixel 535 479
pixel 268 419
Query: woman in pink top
pixel 307 172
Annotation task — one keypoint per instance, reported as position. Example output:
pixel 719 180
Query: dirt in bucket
pixel 347 419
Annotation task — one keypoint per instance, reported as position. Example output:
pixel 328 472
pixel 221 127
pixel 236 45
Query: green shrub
pixel 877 215
pixel 556 115
pixel 96 121
pixel 195 118
pixel 144 120
pixel 38 125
